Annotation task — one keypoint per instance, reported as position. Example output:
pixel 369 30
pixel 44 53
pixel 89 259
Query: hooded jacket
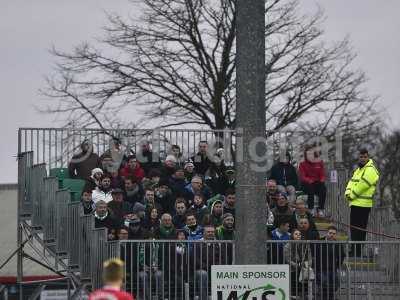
pixel 138 172
pixel 284 174
pixel 311 172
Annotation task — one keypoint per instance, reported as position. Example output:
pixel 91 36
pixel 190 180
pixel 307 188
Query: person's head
pixel 155 175
pixel 113 272
pixel 162 188
pixel 197 183
pixel 86 146
pixel 189 167
pixel 96 173
pixel 332 233
pixel 130 183
pixel 175 150
pixel 123 233
pixel 209 232
pixel 180 206
pixel 363 157
pixel 228 221
pixel 285 158
pixel 107 163
pixel 296 234
pixel 283 225
pixel 117 195
pixel 230 173
pixel 132 161
pixel 300 206
pixel 134 223
pixel 217 208
pixel 281 200
pixel 191 220
pixel 166 220
pixel 203 147
pixel 86 196
pixel 170 161
pixel 271 186
pixel 149 194
pixel 180 235
pixel 154 213
pixel 179 173
pixel 230 197
pixel 304 224
pixel 198 200
pixel 145 146
pixel 105 181
pixel 101 208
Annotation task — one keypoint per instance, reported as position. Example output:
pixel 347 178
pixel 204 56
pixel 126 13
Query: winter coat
pixel 138 172
pixel 284 174
pixel 311 172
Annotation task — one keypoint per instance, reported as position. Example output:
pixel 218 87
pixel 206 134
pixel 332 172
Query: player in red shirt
pixel 113 276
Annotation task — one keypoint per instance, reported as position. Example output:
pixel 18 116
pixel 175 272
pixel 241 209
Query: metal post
pixel 250 114
pixel 19 223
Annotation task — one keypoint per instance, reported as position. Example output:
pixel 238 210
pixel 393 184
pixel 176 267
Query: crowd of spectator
pixel 139 197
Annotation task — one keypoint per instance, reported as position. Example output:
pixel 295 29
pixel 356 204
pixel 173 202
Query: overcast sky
pixel 29 28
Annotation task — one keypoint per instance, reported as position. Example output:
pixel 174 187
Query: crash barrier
pixel 168 269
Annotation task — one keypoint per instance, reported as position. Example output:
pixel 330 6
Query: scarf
pixel 133 192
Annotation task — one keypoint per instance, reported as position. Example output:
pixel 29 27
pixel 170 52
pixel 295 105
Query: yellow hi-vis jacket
pixel 361 188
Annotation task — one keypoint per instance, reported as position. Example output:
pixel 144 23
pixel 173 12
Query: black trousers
pixel 359 217
pixel 316 188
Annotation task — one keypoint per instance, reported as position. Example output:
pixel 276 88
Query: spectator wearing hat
pixel 216 212
pixel 180 212
pixel 82 164
pixel 282 209
pixel 201 160
pixel 103 191
pixel 103 217
pixel 168 167
pixel 87 202
pixel 177 182
pixel 189 170
pixel 132 168
pixel 94 180
pixel 136 230
pixel 227 230
pixel 285 175
pixel 227 181
pixel 118 206
pixel 133 190
pixel 230 201
pixel 165 197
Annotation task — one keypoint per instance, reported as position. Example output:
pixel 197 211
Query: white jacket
pixel 98 195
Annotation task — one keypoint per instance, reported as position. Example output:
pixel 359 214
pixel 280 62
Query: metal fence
pixel 56 146
pixel 172 269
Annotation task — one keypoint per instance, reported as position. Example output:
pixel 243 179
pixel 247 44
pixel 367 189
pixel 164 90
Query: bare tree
pixel 177 63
